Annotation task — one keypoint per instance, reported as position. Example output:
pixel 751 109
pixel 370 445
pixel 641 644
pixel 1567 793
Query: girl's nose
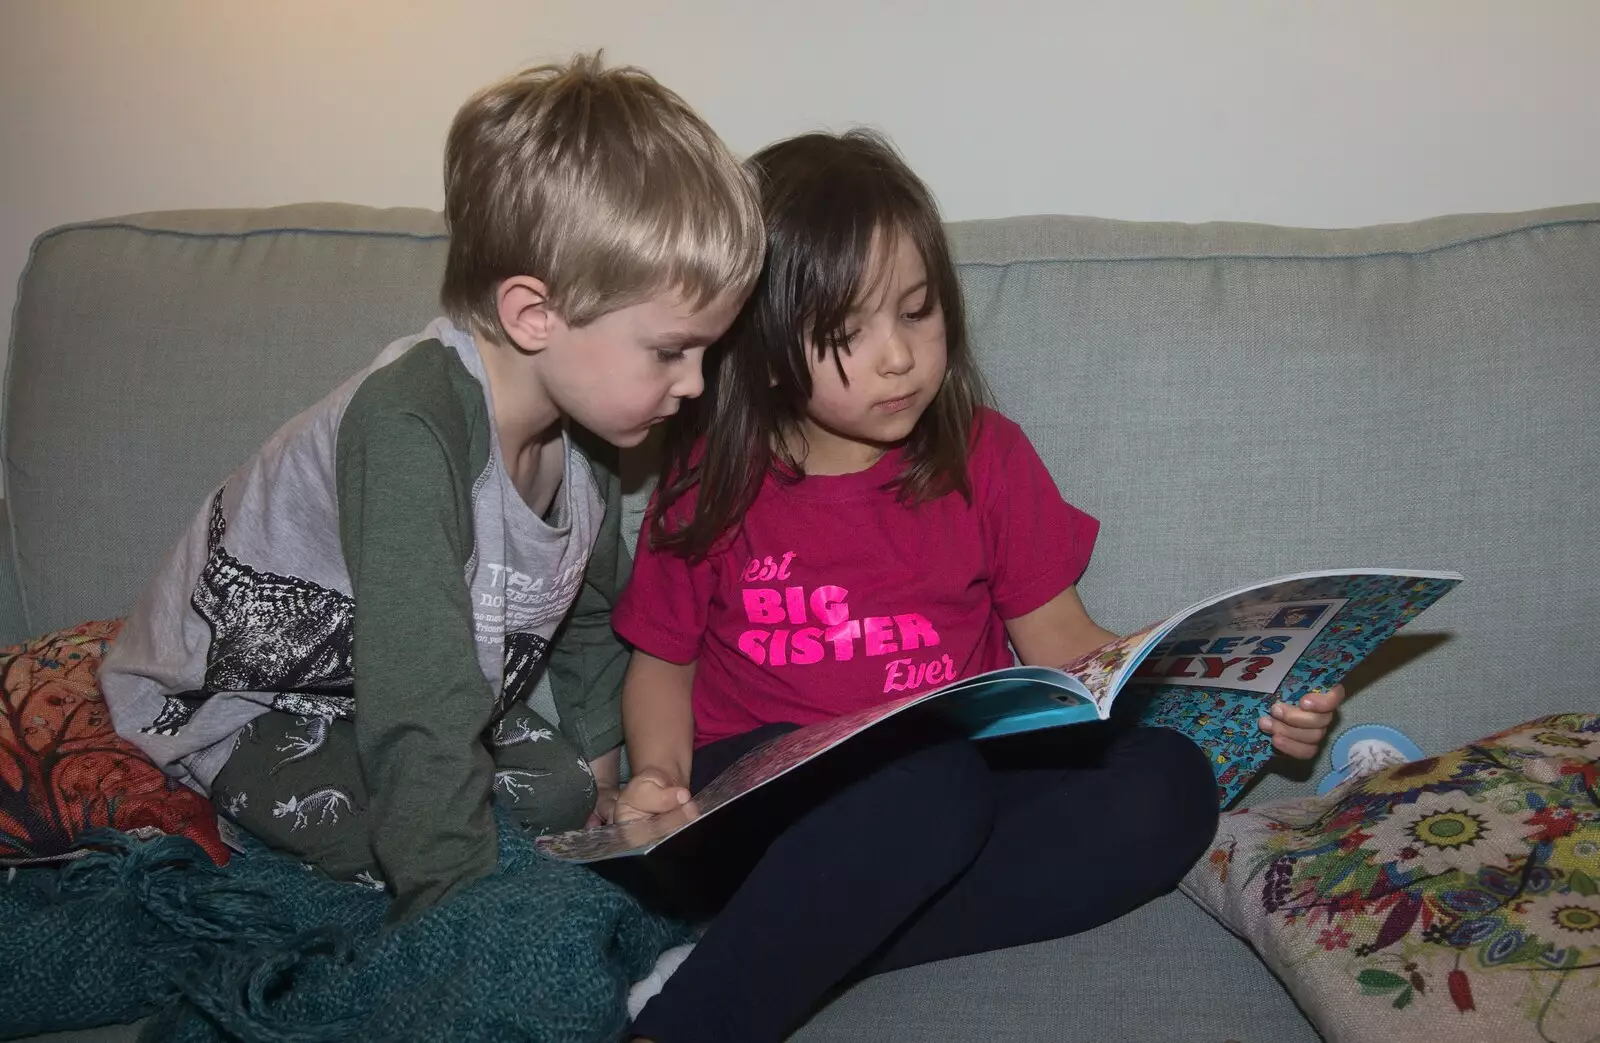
pixel 896 358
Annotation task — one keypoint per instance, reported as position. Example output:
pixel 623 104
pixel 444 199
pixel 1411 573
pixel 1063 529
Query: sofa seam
pixel 14 550
pixel 181 233
pixel 1098 259
pixel 1283 256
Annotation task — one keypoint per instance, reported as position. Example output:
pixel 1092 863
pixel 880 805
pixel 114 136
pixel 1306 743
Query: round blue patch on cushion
pixel 1367 748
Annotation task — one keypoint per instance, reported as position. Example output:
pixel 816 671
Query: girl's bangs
pixel 854 268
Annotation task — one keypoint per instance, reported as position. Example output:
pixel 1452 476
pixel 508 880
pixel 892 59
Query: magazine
pixel 1210 671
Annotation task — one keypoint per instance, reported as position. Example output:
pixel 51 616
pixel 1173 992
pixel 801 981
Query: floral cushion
pixel 1453 898
pixel 64 771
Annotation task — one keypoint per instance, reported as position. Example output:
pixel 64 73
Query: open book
pixel 1210 671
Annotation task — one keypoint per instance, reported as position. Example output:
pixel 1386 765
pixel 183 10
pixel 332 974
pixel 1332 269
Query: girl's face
pixel 893 363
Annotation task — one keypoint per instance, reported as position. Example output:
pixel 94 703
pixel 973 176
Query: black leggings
pixel 910 845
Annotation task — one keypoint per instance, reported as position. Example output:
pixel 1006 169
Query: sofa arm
pixel 13 620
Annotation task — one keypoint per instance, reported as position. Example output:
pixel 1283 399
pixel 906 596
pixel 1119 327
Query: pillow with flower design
pixel 1453 898
pixel 64 771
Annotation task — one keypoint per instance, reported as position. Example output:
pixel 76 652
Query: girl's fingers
pixel 1310 735
pixel 1296 742
pixel 1294 718
pixel 1293 748
pixel 1323 701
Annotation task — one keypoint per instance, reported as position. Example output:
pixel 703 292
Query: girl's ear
pixel 526 313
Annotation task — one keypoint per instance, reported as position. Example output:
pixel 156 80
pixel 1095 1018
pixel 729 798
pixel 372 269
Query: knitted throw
pixel 264 949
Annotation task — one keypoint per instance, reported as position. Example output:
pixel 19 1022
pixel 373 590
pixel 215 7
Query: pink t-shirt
pixel 833 597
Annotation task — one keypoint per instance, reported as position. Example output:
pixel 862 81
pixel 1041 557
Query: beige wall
pixel 1319 112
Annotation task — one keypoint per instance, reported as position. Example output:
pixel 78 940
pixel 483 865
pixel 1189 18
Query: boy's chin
pixel 629 438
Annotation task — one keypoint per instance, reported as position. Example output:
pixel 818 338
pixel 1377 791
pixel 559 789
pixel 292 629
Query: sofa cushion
pixel 1238 401
pixel 152 354
pixel 13 625
pixel 1455 898
pixel 64 771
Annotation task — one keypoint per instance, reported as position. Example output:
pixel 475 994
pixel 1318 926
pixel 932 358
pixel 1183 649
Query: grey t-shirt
pixel 378 536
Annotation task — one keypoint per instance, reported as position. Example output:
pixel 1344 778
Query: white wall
pixel 1317 112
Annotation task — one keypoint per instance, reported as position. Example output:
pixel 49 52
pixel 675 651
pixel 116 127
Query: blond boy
pixel 343 648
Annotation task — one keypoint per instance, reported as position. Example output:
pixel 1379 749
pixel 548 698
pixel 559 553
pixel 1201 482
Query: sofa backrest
pixel 1232 401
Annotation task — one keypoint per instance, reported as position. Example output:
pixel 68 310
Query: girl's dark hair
pixel 823 198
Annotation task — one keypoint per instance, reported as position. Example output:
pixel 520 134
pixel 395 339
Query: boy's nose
pixel 692 382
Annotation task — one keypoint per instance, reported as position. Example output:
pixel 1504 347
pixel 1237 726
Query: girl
pixel 842 521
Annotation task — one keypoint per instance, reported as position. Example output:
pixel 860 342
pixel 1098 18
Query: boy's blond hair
pixel 601 183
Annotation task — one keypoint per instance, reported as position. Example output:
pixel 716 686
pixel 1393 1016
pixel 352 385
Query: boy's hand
pixel 605 769
pixel 605 807
pixel 648 793
pixel 1299 731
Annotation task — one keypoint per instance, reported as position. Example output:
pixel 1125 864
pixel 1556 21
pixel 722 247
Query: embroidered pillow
pixel 1455 898
pixel 64 771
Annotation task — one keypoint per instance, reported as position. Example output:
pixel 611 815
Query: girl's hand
pixel 1299 731
pixel 648 793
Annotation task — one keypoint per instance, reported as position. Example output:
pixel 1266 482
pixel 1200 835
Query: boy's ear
pixel 526 313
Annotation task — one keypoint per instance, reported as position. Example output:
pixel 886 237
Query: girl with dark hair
pixel 841 521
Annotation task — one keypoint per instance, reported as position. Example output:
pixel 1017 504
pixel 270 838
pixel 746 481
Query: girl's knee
pixel 945 787
pixel 1181 788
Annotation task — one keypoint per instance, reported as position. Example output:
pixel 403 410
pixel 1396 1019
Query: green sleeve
pixel 422 703
pixel 587 661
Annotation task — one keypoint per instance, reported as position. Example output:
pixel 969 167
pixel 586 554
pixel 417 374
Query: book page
pixel 755 769
pixel 1213 673
pixel 1102 671
pixel 1243 644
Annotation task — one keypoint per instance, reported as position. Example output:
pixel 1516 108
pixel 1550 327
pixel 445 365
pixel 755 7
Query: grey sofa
pixel 1233 401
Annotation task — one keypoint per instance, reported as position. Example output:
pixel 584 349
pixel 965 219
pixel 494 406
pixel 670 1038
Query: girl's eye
pixel 669 355
pixel 839 342
pixel 920 314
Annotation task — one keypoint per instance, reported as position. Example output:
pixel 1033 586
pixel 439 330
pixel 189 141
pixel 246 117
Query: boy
pixel 341 650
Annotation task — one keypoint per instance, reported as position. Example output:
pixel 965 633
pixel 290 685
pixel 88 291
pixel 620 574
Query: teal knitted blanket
pixel 267 950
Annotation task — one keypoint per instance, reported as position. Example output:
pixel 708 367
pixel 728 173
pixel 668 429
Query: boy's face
pixel 630 369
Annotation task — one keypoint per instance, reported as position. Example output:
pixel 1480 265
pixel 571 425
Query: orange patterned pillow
pixel 64 771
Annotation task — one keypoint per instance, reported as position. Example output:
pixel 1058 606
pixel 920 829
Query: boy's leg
pixel 295 783
pixel 1116 823
pixel 540 776
pixel 878 827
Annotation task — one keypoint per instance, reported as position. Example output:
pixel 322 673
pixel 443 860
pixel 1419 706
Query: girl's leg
pixel 878 828
pixel 1090 823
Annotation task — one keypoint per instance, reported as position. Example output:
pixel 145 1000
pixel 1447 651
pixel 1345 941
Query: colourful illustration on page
pixel 1101 671
pixel 1216 674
